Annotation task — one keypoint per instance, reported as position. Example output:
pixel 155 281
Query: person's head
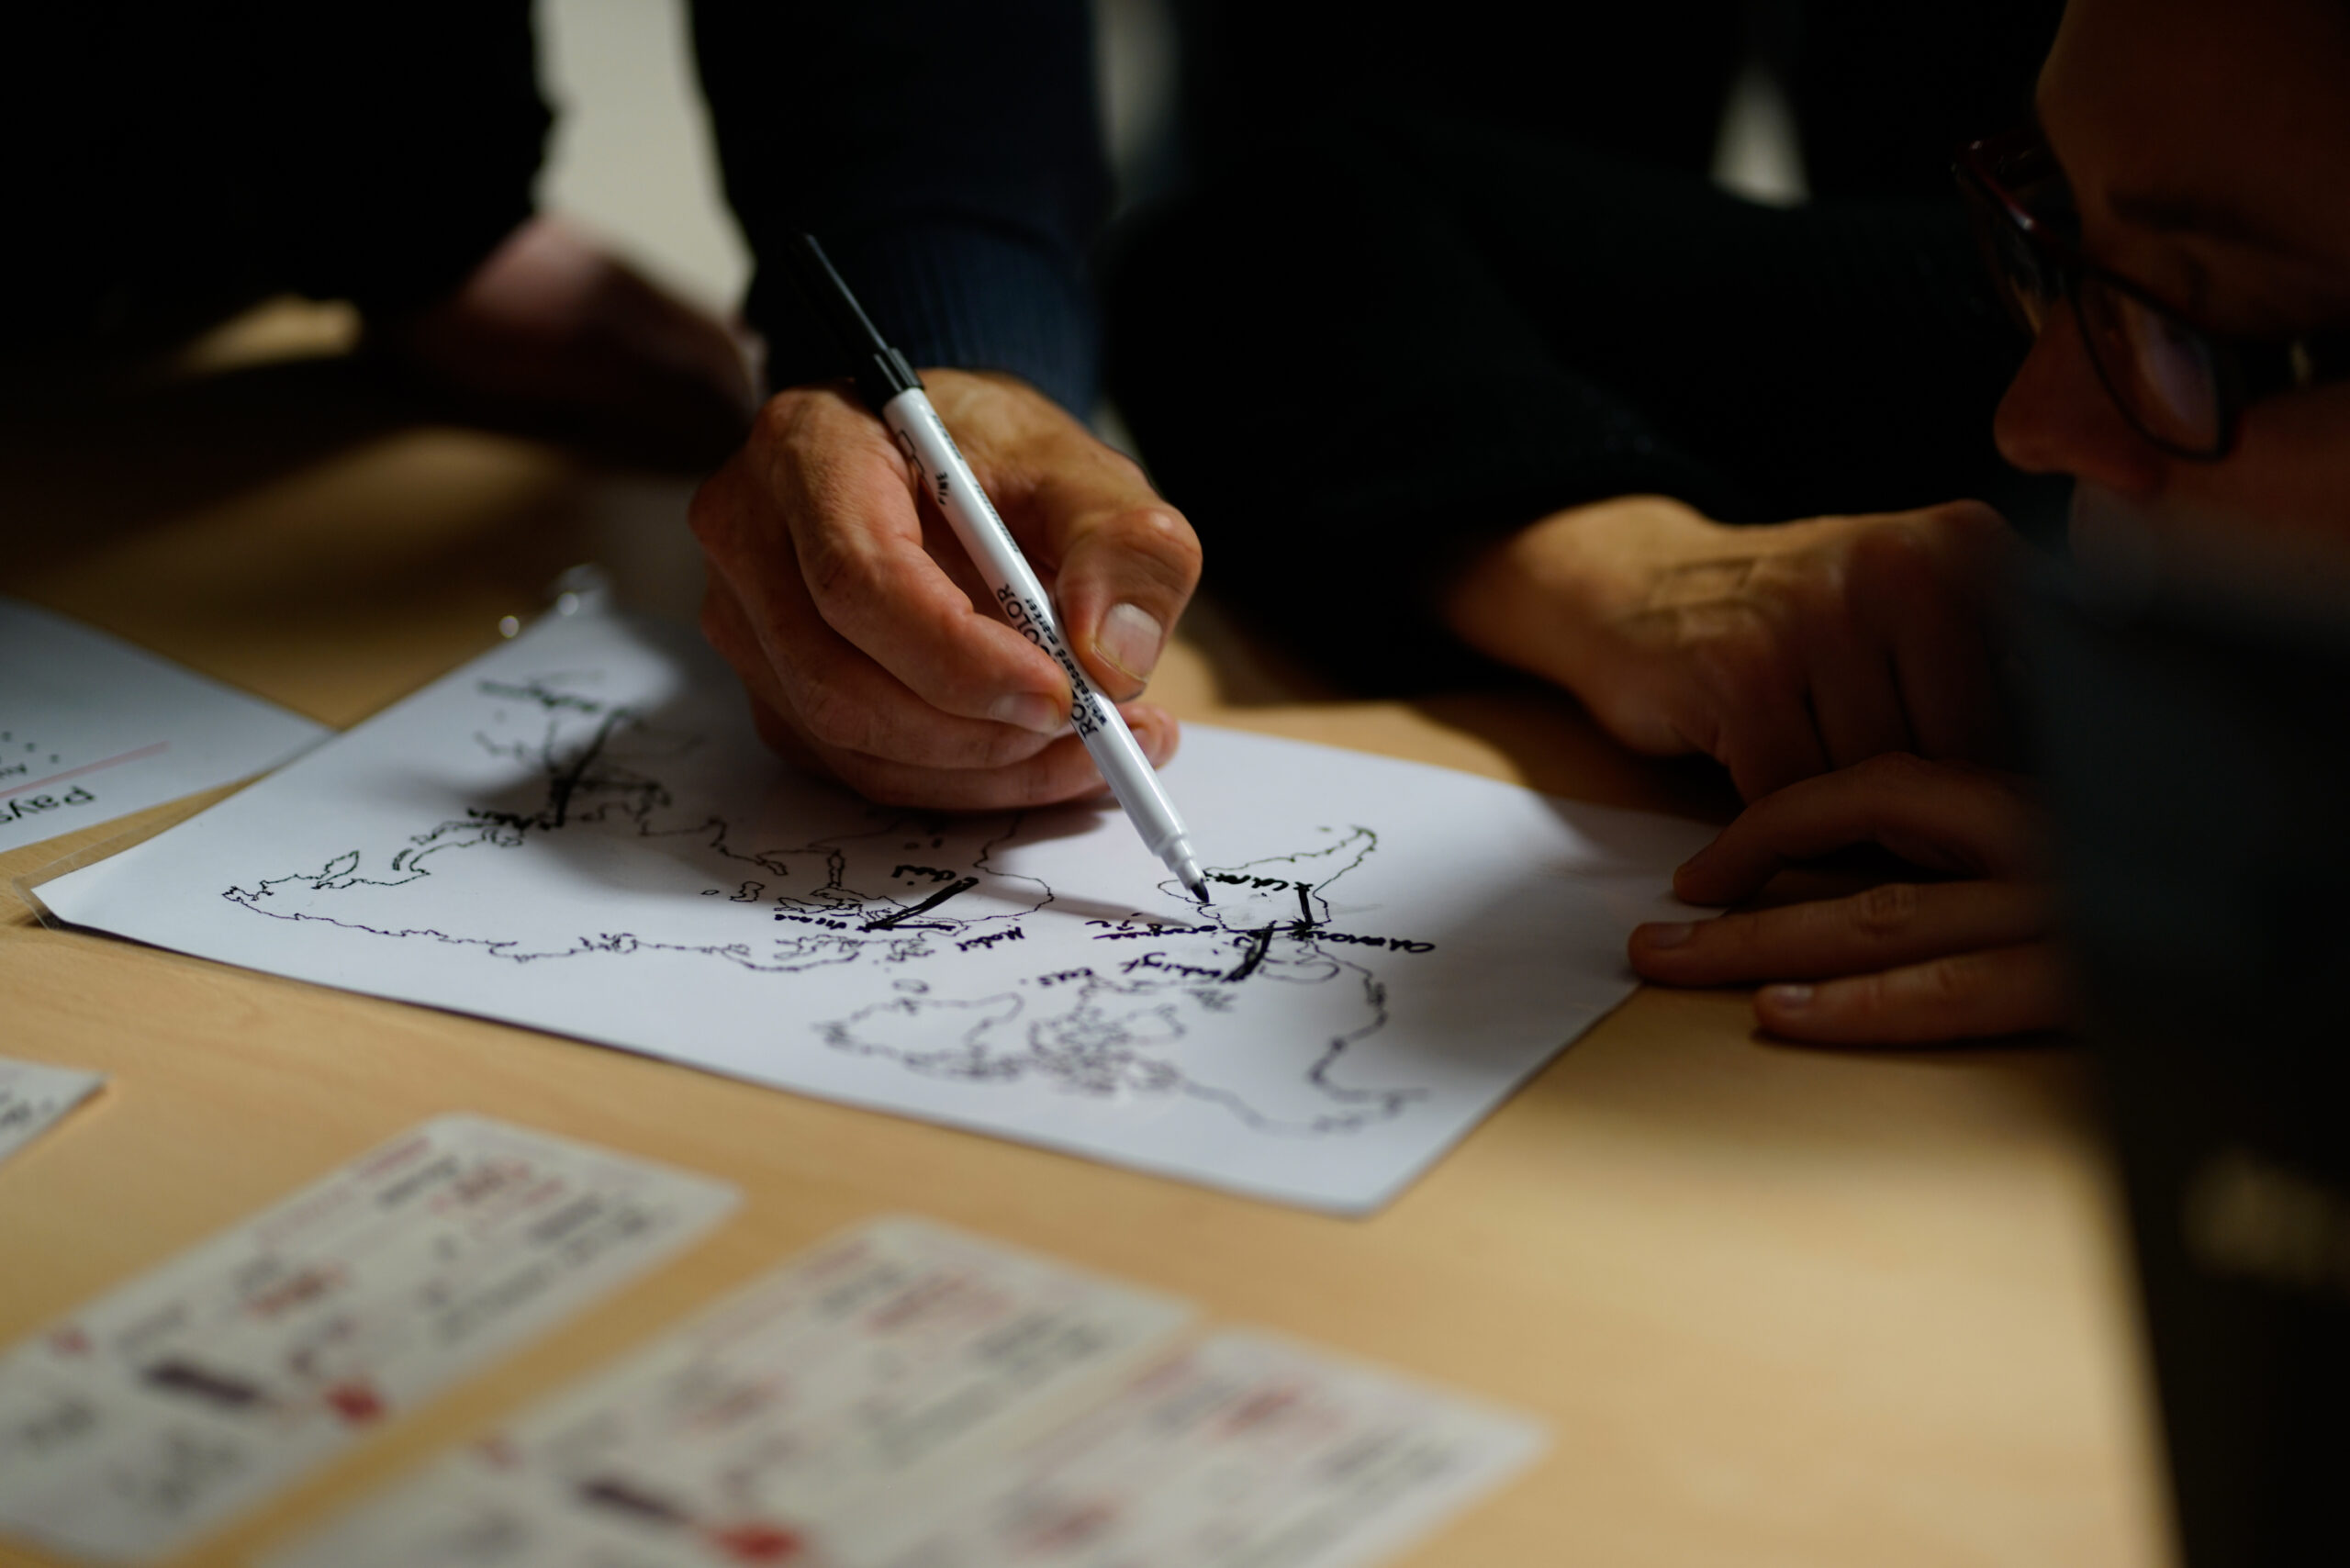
pixel 2207 146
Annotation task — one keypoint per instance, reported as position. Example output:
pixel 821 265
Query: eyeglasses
pixel 2178 386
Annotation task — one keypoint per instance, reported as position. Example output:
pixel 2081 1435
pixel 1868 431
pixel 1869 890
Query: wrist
pixel 1538 597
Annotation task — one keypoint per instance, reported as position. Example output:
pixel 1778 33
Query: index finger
pixel 1966 996
pixel 1897 924
pixel 1945 816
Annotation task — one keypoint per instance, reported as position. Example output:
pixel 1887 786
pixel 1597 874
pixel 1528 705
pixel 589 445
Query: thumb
pixel 1127 563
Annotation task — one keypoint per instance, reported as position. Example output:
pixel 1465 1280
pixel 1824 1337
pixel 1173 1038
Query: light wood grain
pixel 1778 1306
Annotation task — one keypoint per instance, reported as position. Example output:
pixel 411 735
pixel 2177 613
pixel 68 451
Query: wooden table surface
pixel 1777 1305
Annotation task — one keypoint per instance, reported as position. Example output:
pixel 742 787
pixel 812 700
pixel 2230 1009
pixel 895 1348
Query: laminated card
pixel 580 832
pixel 908 1396
pixel 92 728
pixel 160 1411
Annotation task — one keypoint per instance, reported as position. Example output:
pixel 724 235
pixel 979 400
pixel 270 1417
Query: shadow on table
pixel 1551 743
pixel 92 464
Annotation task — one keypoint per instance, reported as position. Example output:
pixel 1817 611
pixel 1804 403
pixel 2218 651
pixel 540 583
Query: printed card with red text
pixel 860 1377
pixel 164 1408
pixel 92 728
pixel 1246 1451
pixel 912 1398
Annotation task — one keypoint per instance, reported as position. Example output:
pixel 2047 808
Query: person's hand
pixel 870 647
pixel 1779 650
pixel 1903 963
pixel 555 331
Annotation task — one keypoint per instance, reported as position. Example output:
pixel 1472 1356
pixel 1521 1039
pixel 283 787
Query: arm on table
pixel 949 158
pixel 1779 650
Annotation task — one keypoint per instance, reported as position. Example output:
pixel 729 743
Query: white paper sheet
pixel 157 1412
pixel 580 832
pixel 92 728
pixel 34 1094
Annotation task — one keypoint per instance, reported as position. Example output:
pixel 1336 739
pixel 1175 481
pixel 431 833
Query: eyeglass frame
pixel 2243 370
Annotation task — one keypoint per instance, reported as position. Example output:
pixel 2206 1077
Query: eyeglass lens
pixel 2025 278
pixel 2158 369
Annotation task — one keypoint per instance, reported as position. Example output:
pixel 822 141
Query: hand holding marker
pixel 893 390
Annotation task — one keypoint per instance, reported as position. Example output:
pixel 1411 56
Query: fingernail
pixel 1667 934
pixel 1129 638
pixel 1787 998
pixel 1030 712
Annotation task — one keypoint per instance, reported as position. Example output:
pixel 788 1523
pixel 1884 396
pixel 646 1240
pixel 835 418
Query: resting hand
pixel 868 646
pixel 1906 962
pixel 1779 650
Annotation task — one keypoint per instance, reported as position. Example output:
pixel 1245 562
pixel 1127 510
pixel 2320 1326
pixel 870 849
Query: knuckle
pixel 1005 747
pixel 885 787
pixel 1862 998
pixel 1945 985
pixel 1149 548
pixel 831 716
pixel 1745 663
pixel 1894 561
pixel 1969 518
pixel 1044 784
pixel 840 577
pixel 1805 580
pixel 1160 535
pixel 784 418
pixel 1893 771
pixel 1886 911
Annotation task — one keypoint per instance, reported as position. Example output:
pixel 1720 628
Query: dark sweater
pixel 1416 300
pixel 949 154
pixel 180 161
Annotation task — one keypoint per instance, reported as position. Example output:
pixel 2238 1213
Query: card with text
pixel 166 1406
pixel 1246 1452
pixel 92 728
pixel 34 1095
pixel 859 1375
pixel 908 1396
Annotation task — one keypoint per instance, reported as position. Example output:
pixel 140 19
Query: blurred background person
pixel 2173 235
pixel 181 163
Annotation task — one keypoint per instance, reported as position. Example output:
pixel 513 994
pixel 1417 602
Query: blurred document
pixel 92 728
pixel 907 1397
pixel 581 831
pixel 863 1376
pixel 174 1402
pixel 1246 1452
pixel 33 1096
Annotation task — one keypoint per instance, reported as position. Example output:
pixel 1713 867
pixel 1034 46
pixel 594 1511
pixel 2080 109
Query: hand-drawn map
pixel 579 831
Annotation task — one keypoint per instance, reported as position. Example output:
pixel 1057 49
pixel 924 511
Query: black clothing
pixel 949 156
pixel 1382 341
pixel 1642 82
pixel 181 161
